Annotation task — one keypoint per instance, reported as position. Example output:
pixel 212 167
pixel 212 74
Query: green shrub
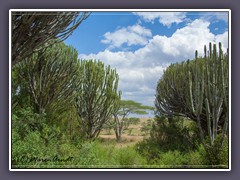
pixel 146 127
pixel 128 158
pixel 134 120
pixel 215 156
pixel 24 151
pixel 172 159
pixel 148 149
pixel 174 134
pixel 195 159
pixel 24 121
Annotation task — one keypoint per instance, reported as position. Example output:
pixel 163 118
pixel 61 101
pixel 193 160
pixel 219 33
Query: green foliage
pixel 175 134
pixel 169 134
pixel 215 156
pixel 210 98
pixel 146 126
pixel 32 153
pixel 133 120
pixel 129 158
pixel 149 149
pixel 23 121
pixel 23 151
pixel 198 90
pixel 129 106
pixel 120 121
pixel 172 159
pixel 97 96
pixel 48 78
pixel 178 91
pixel 39 29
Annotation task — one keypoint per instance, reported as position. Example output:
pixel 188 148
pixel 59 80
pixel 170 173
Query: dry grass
pixel 130 136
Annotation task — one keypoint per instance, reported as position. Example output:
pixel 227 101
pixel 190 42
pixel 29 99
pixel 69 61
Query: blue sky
pixel 140 45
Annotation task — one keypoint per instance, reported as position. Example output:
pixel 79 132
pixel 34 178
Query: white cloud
pixel 165 18
pixel 222 16
pixel 140 70
pixel 139 84
pixel 131 35
pixel 223 38
pixel 211 16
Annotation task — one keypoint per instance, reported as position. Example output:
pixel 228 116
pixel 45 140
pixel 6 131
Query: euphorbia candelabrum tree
pixel 46 81
pixel 32 31
pixel 50 77
pixel 198 90
pixel 97 96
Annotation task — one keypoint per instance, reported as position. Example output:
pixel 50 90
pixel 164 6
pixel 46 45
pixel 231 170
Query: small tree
pixel 126 107
pixel 97 97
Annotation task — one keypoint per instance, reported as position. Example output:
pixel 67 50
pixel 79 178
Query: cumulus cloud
pixel 165 18
pixel 140 70
pixel 211 16
pixel 223 38
pixel 139 84
pixel 131 35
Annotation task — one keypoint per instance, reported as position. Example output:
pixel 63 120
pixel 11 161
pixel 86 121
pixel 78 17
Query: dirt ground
pixel 130 136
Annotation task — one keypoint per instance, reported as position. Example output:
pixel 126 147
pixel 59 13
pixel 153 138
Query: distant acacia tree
pixel 32 31
pixel 126 107
pixel 97 97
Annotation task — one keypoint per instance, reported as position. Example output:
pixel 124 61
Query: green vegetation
pixel 62 105
pixel 37 30
pixel 120 122
pixel 198 90
pixel 97 97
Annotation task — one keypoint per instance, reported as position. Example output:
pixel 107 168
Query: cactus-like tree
pixel 49 76
pixel 210 92
pixel 198 90
pixel 46 81
pixel 32 31
pixel 97 97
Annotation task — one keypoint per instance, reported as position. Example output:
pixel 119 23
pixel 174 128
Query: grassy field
pixel 133 151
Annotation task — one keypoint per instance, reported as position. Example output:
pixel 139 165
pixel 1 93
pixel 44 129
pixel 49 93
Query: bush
pixel 173 159
pixel 97 155
pixel 174 134
pixel 215 156
pixel 24 121
pixel 146 127
pixel 129 158
pixel 148 149
pixel 134 120
pixel 24 151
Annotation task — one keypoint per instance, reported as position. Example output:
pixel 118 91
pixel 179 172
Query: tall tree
pixel 199 90
pixel 97 96
pixel 126 107
pixel 211 94
pixel 173 97
pixel 32 31
pixel 49 77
